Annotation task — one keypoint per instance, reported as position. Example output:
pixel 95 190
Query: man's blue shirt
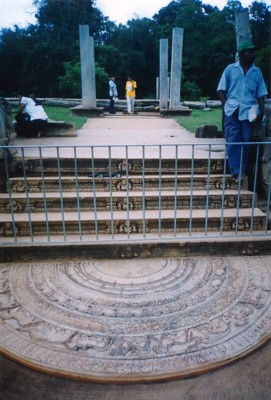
pixel 241 90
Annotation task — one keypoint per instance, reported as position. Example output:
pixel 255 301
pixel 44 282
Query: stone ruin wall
pixel 7 132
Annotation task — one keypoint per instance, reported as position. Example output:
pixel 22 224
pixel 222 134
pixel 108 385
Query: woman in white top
pixel 31 117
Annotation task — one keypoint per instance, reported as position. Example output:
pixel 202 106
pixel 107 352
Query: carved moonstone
pixel 134 320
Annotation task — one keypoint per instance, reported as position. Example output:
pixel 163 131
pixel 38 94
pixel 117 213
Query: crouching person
pixel 31 118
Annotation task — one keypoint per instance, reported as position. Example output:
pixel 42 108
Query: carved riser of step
pixel 135 227
pixel 165 202
pixel 183 182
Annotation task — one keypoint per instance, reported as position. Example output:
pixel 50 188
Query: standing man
pixel 113 94
pixel 241 86
pixel 130 88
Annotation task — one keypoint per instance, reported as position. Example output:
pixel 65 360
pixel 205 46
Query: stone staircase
pixel 125 312
pixel 150 199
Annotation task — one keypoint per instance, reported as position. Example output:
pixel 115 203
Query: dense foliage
pixel 45 58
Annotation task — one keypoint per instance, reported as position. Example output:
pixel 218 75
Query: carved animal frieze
pixel 134 316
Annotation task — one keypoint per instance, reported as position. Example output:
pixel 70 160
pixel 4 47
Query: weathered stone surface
pixel 87 59
pixel 163 74
pixel 176 68
pixel 57 128
pixel 175 112
pixel 194 104
pixel 206 131
pixel 7 132
pixel 87 112
pixel 137 320
pixel 6 125
pixel 213 103
pixel 266 168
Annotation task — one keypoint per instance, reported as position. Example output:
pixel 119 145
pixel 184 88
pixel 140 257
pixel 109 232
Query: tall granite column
pixel 7 132
pixel 242 27
pixel 87 67
pixel 163 73
pixel 176 68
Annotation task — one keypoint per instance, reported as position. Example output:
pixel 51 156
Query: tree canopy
pixel 45 57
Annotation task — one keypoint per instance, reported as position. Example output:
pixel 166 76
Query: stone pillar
pixel 87 67
pixel 242 28
pixel 157 85
pixel 89 107
pixel 7 132
pixel 176 68
pixel 163 73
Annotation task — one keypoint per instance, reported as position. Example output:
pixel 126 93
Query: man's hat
pixel 245 45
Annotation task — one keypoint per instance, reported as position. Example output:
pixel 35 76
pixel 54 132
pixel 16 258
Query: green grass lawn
pixel 64 114
pixel 58 113
pixel 200 117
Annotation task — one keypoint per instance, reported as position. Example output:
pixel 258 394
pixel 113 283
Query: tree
pixel 58 20
pixel 70 82
pixel 11 56
pixel 260 20
pixel 42 50
pixel 207 48
pixel 109 57
pixel 138 54
pixel 45 57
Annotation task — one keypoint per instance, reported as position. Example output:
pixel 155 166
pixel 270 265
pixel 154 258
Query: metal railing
pixel 149 192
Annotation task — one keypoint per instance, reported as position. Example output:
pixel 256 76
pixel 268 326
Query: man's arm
pixel 222 96
pixel 21 108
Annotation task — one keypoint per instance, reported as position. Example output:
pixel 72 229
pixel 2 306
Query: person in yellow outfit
pixel 130 88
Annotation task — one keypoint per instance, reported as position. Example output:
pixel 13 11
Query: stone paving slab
pixel 131 130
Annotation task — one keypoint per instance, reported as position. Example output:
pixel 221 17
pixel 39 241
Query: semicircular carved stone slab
pixel 134 320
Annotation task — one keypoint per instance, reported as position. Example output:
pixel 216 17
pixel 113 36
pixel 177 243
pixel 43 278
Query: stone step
pixel 84 166
pixel 131 222
pixel 150 200
pixel 135 183
pixel 55 128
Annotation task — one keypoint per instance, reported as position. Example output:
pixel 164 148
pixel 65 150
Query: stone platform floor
pixel 135 321
pixel 132 130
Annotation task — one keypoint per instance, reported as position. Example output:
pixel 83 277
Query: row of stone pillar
pixel 176 71
pixel 88 69
pixel 169 88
